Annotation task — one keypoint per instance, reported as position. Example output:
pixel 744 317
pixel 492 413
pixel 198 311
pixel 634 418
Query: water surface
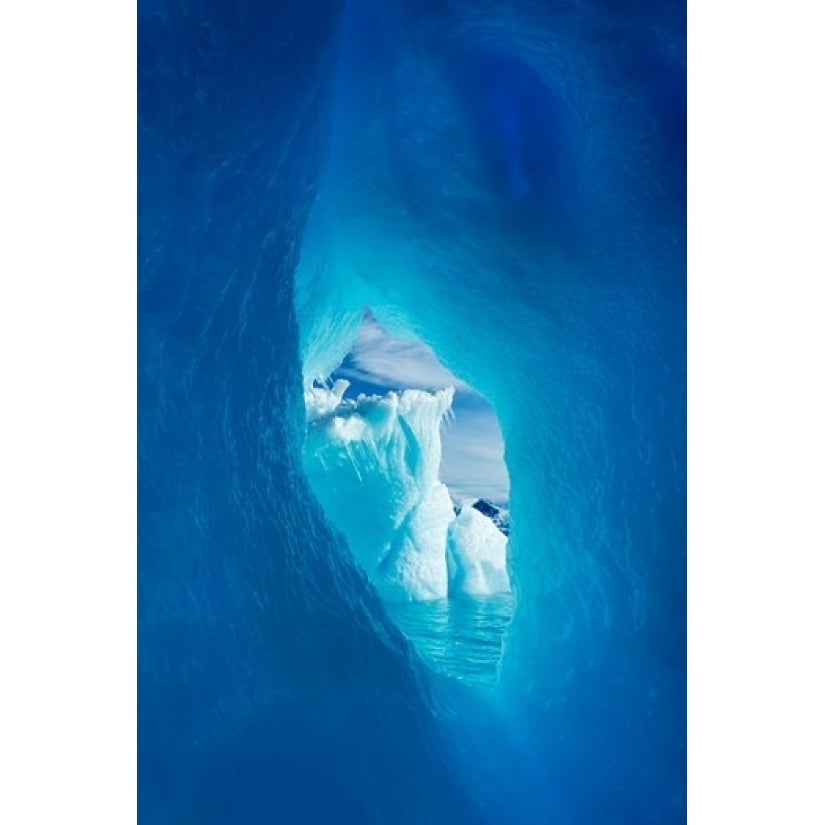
pixel 461 637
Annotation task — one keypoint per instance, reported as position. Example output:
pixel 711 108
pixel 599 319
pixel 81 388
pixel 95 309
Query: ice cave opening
pixel 407 462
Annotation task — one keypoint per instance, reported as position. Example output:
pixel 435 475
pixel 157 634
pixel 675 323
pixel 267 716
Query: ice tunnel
pixel 407 463
pixel 506 183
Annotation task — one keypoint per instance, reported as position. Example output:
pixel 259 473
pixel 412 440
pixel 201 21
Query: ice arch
pixel 355 136
pixel 550 315
pixel 532 261
pixel 387 433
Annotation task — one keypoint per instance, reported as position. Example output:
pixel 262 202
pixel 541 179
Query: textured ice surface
pixel 506 182
pixel 374 464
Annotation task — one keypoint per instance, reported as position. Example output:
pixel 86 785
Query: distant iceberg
pixel 476 555
pixel 374 465
pixel 498 515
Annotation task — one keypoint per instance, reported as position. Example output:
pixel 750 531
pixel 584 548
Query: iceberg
pixel 373 462
pixel 476 555
pixel 497 514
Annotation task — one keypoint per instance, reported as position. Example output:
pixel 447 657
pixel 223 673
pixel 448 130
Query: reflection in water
pixel 461 637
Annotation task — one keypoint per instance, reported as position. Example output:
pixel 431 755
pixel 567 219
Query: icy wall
pixel 505 181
